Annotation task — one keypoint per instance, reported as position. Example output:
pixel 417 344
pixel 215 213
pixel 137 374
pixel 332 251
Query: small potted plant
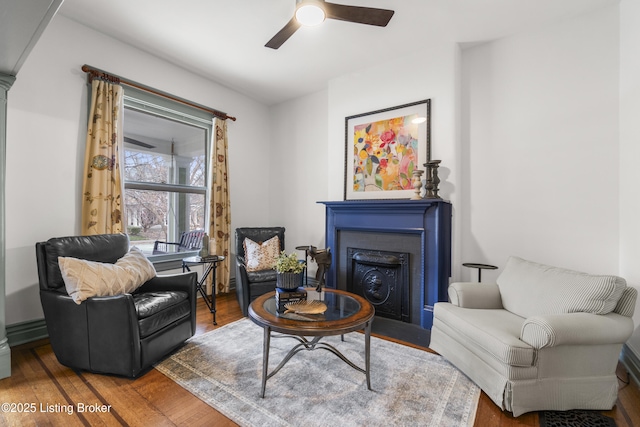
pixel 289 271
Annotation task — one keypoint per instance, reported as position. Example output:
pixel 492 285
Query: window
pixel 165 169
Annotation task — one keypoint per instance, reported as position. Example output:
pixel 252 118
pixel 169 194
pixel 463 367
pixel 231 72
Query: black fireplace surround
pixel 367 237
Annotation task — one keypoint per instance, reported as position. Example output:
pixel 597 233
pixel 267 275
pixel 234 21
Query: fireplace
pixel 382 278
pixel 396 253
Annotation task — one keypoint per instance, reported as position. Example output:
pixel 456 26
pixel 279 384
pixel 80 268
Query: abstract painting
pixel 383 148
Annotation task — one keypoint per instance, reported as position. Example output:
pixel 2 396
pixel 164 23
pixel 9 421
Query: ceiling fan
pixel 313 12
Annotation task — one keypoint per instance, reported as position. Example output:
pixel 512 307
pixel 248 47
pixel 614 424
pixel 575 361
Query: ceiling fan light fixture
pixel 310 14
pixel 314 12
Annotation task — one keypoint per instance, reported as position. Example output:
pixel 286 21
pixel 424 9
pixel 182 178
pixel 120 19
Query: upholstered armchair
pixel 540 338
pixel 253 282
pixel 123 334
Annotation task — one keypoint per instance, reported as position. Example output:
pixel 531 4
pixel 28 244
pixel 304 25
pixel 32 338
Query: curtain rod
pixel 95 73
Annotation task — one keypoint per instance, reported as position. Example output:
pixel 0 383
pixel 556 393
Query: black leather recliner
pixel 123 334
pixel 250 285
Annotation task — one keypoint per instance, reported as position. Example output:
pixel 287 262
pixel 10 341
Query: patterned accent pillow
pixel 84 279
pixel 261 256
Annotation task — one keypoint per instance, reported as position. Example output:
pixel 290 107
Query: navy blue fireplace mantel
pixel 427 221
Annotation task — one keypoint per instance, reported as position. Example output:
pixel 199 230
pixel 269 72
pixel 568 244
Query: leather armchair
pixel 250 285
pixel 123 334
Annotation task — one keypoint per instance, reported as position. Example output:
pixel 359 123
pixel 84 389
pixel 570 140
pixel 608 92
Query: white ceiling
pixel 223 40
pixel 21 24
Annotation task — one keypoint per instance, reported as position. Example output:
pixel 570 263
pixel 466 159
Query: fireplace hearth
pixel 396 253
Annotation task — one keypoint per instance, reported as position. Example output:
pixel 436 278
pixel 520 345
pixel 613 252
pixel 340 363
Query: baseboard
pixel 24 332
pixel 631 361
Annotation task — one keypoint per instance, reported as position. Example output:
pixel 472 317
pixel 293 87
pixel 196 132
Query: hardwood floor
pixel 48 390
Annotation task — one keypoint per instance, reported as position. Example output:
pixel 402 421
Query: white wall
pixel 630 153
pixel 429 73
pixel 47 116
pixel 299 173
pixel 309 134
pixel 550 147
pixel 540 132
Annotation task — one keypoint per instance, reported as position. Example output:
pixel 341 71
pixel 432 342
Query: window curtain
pixel 220 220
pixel 103 188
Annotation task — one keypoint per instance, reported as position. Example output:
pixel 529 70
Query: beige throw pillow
pixel 84 279
pixel 261 256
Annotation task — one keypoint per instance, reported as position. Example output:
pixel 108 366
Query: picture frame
pixel 383 147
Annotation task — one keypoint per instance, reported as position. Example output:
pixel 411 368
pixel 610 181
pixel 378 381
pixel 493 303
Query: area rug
pixel 411 387
pixel 575 418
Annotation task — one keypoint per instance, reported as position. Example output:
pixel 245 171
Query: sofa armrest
pixel 67 327
pixel 475 295
pixel 185 282
pixel 576 329
pixel 113 334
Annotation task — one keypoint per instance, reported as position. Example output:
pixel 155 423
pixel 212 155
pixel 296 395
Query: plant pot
pixel 289 280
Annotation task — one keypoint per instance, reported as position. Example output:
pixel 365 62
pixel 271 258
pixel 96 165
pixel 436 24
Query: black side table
pixel 209 265
pixel 480 267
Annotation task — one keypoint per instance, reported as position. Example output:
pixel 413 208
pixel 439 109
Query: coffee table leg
pixel 265 358
pixel 367 352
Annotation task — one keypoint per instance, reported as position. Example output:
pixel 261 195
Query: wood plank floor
pixel 41 385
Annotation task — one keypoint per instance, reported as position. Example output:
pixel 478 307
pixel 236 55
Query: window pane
pixel 163 151
pixel 165 171
pixel 162 216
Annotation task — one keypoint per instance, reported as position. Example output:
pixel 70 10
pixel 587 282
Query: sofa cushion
pixel 84 279
pixel 529 289
pixel 261 255
pixel 494 332
pixel 156 310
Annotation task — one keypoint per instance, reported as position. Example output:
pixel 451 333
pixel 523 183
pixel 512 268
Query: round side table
pixel 480 267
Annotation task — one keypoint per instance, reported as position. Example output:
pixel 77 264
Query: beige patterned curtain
pixel 220 209
pixel 102 187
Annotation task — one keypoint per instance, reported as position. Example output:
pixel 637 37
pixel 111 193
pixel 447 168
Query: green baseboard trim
pixel 24 332
pixel 631 361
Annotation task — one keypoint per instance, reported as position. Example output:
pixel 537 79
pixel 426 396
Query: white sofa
pixel 541 338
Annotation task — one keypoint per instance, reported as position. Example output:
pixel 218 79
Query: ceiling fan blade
pixel 284 34
pixel 358 14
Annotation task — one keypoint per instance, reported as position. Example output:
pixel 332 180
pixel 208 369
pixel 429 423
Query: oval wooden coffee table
pixel 346 312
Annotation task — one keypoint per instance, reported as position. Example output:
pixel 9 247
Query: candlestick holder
pixel 416 181
pixel 432 179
